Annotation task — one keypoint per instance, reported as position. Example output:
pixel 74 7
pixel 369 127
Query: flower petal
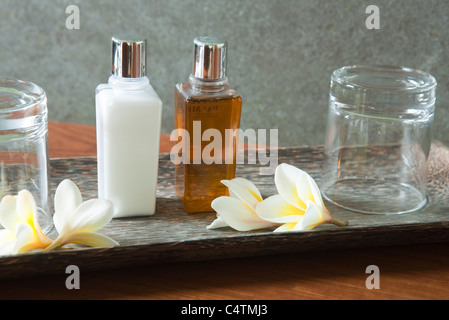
pixel 315 192
pixel 25 239
pixel 244 190
pixel 67 199
pixel 90 216
pixel 238 215
pixel 304 188
pixel 277 210
pixel 250 186
pixel 91 239
pixel 8 213
pixel 27 210
pixel 285 178
pixel 312 218
pixel 286 227
pixel 6 242
pixel 26 207
pixel 217 223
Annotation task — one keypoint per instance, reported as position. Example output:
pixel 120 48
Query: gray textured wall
pixel 281 53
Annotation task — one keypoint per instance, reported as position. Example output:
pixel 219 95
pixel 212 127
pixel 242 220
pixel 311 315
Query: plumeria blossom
pixel 19 218
pixel 77 221
pixel 298 204
pixel 238 209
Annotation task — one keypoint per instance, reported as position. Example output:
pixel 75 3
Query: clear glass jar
pixel 378 139
pixel 24 160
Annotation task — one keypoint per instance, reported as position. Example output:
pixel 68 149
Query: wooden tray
pixel 172 235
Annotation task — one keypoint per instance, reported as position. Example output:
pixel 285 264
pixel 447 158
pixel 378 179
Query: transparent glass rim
pixel 17 95
pixel 23 105
pixel 355 78
pixel 405 208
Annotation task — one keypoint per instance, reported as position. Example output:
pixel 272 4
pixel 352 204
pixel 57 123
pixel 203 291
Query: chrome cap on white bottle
pixel 209 58
pixel 128 56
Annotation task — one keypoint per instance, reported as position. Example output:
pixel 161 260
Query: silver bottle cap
pixel 209 58
pixel 128 56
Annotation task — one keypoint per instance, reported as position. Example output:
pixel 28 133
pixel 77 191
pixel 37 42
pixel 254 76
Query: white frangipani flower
pixel 299 205
pixel 238 210
pixel 77 221
pixel 19 218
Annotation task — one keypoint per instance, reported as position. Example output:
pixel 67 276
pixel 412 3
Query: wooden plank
pixel 172 235
pixel 80 140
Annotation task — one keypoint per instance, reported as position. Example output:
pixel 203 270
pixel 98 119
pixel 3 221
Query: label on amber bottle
pixel 204 108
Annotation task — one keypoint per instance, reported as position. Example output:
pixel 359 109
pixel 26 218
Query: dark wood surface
pixel 172 235
pixel 414 263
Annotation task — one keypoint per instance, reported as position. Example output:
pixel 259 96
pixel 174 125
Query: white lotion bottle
pixel 128 120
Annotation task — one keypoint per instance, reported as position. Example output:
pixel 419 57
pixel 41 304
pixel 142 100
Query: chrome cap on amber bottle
pixel 128 56
pixel 209 58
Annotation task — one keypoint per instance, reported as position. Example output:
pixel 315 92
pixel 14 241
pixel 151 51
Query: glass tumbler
pixel 24 160
pixel 378 139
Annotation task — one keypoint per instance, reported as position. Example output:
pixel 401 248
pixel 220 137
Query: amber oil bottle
pixel 208 111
